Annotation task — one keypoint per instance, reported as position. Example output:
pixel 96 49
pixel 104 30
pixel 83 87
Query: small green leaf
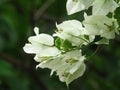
pixel 86 37
pixel 66 45
pixel 63 44
pixel 58 42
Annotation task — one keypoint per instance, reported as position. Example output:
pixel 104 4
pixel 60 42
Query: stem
pixel 98 47
pixel 80 38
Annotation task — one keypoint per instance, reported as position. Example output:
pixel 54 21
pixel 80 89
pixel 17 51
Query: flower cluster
pixel 63 54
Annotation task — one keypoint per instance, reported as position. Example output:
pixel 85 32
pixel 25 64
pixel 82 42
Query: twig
pixel 95 52
pixel 11 60
pixel 42 9
pixel 50 18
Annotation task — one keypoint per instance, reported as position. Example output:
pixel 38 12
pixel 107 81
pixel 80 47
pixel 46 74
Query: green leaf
pixel 58 43
pixel 63 44
pixel 86 37
pixel 66 45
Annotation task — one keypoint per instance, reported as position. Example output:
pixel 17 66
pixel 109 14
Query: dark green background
pixel 17 69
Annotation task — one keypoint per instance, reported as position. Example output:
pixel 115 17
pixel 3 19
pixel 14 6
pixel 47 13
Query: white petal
pixel 37 59
pixel 103 7
pixel 101 25
pixel 71 30
pixel 108 34
pixel 73 27
pixel 29 48
pixel 78 5
pixel 42 39
pixel 76 74
pixel 36 30
pixel 61 65
pixel 75 68
pixel 50 51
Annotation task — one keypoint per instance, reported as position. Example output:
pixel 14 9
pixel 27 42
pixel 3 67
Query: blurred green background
pixel 17 69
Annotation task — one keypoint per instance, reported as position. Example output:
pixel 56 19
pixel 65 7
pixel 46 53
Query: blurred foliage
pixel 17 69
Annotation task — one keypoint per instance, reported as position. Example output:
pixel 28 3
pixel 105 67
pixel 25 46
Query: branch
pixel 42 9
pixel 50 18
pixel 28 69
pixel 11 60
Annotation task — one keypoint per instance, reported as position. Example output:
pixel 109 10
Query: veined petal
pixel 71 30
pixel 76 74
pixel 50 51
pixel 100 25
pixel 76 67
pixel 103 7
pixel 46 54
pixel 29 48
pixel 73 27
pixel 108 34
pixel 68 66
pixel 74 6
pixel 42 39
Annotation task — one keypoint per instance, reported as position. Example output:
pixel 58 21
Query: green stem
pixel 98 47
pixel 81 38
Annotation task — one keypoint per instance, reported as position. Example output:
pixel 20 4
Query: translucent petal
pixel 100 25
pixel 76 74
pixel 103 7
pixel 73 27
pixel 46 53
pixel 72 30
pixel 68 66
pixel 50 51
pixel 74 6
pixel 29 48
pixel 42 39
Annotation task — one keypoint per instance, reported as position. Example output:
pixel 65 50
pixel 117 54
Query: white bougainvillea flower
pixel 71 30
pixel 103 7
pixel 63 55
pixel 44 39
pixel 74 6
pixel 68 66
pixel 100 25
pixel 41 45
pixel 73 27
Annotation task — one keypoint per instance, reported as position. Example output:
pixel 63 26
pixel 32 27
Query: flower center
pixel 75 0
pixel 71 61
pixel 59 30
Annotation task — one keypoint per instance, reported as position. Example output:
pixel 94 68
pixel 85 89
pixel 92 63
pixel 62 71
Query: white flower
pixel 103 7
pixel 100 25
pixel 100 7
pixel 68 66
pixel 41 45
pixel 72 31
pixel 74 6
